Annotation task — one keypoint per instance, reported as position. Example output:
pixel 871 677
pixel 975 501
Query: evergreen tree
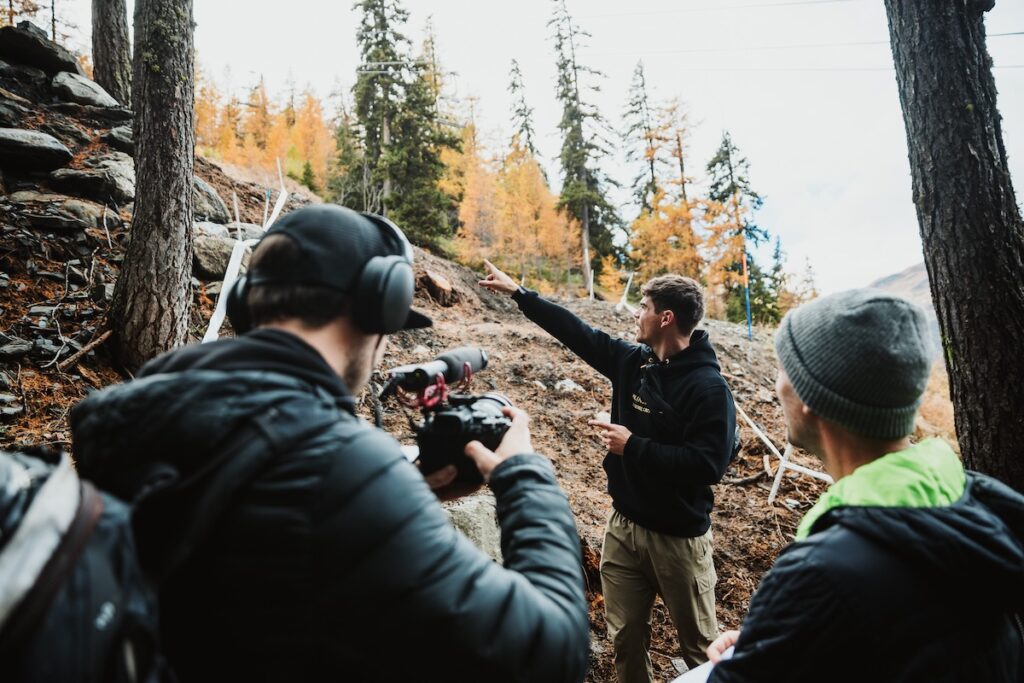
pixel 643 140
pixel 399 136
pixel 309 177
pixel 730 186
pixel 583 183
pixel 522 113
pixel 764 299
pixel 346 183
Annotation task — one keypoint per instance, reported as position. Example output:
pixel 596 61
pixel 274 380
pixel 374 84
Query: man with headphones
pixel 292 541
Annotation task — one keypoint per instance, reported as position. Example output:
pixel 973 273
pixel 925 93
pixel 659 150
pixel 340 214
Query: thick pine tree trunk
pixel 150 310
pixel 970 224
pixel 112 65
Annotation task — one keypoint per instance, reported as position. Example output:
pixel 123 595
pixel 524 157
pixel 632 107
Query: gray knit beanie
pixel 860 359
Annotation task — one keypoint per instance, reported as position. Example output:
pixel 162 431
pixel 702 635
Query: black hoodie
pixel 680 412
pixel 894 594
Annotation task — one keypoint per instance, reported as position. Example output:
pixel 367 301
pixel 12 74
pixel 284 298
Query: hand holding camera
pixel 461 437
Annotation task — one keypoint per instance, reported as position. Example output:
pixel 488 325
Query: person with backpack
pixel 671 436
pixel 290 540
pixel 907 568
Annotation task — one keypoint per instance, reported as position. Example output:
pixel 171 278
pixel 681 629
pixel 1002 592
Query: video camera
pixel 451 419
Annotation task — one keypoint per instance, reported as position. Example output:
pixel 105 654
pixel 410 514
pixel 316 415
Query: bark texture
pixel 111 55
pixel 969 219
pixel 150 310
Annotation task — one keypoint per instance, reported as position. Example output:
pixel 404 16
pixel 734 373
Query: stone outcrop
pixel 29 150
pixel 79 89
pixel 28 45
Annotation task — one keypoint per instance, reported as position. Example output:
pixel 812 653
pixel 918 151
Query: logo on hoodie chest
pixel 640 405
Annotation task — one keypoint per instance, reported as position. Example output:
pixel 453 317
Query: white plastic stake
pixel 234 265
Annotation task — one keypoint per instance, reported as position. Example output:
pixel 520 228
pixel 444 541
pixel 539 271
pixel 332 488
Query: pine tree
pixel 395 104
pixel 150 308
pixel 111 49
pixel 309 177
pixel 731 226
pixel 522 113
pixel 346 183
pixel 583 183
pixel 643 140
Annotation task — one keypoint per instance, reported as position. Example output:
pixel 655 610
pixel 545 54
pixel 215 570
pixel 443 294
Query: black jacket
pixel 334 561
pixel 680 412
pixel 894 594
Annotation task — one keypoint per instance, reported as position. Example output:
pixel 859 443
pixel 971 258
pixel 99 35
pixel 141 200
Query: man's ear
pixel 668 318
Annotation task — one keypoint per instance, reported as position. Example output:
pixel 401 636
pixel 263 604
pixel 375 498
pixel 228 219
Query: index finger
pixel 600 423
pixel 490 266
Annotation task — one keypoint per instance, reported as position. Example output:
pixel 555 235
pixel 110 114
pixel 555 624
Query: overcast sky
pixel 805 87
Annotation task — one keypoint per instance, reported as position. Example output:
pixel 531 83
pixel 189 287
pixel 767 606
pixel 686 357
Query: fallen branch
pixel 746 481
pixel 85 349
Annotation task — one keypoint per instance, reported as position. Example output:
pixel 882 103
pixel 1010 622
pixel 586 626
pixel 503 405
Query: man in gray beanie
pixel 908 568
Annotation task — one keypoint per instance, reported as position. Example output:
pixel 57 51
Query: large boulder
pixel 28 45
pixel 30 150
pixel 210 256
pixel 74 88
pixel 112 177
pixel 27 81
pixel 207 204
pixel 47 211
pixel 476 517
pixel 120 138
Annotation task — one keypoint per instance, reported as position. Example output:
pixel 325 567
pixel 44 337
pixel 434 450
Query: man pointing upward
pixel 670 437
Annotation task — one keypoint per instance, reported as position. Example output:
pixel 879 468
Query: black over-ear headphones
pixel 381 297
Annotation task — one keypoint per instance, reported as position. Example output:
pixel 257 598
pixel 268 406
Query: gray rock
pixel 11 114
pixel 27 44
pixel 567 386
pixel 208 229
pixel 476 517
pixel 10 406
pixel 47 211
pixel 74 88
pixel 120 138
pixel 29 150
pixel 14 348
pixel 210 256
pixel 20 72
pixel 110 177
pixel 207 204
pixel 98 116
pixel 249 231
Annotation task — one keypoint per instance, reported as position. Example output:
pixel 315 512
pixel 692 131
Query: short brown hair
pixel 681 295
pixel 314 306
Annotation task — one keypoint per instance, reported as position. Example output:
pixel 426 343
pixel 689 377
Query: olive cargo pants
pixel 637 564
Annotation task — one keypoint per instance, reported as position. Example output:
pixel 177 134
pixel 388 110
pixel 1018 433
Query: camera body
pixel 448 427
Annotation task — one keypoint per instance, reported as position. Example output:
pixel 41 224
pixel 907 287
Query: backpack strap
pixel 26 617
pixel 188 509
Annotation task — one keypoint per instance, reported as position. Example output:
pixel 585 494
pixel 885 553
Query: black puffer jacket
pixel 894 594
pixel 336 561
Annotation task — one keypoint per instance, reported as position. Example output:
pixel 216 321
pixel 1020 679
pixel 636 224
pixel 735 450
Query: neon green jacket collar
pixel 928 474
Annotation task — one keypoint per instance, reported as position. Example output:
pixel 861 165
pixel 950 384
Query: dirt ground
pixel 525 364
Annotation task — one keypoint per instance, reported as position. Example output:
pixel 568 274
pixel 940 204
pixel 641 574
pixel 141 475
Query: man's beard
pixel 356 372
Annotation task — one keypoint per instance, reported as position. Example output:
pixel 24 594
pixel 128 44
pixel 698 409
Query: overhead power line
pixel 795 46
pixel 717 8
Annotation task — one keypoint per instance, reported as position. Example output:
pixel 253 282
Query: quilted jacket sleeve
pixel 407 589
pixel 796 621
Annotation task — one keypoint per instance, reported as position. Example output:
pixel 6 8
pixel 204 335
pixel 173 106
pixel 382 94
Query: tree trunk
pixel 150 310
pixel 970 224
pixel 112 66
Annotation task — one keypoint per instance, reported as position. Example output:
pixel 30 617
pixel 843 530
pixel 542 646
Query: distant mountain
pixel 912 284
